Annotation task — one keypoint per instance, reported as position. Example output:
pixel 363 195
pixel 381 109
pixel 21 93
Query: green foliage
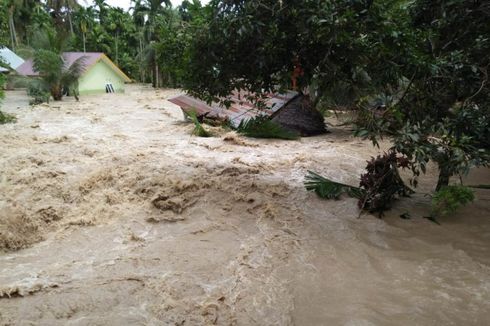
pixel 328 189
pixel 378 188
pixel 38 92
pixel 264 127
pixel 6 118
pixel 340 45
pixel 198 128
pixel 447 200
pixel 51 65
pixel 415 70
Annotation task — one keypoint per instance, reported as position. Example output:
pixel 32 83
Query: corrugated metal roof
pixel 10 58
pixel 240 109
pixel 27 68
pixel 91 58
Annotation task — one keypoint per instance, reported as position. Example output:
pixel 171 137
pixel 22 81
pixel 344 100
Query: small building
pixel 12 60
pixel 100 75
pixel 292 110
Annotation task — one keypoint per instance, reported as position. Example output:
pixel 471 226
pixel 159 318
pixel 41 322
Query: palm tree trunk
pixel 57 92
pixel 157 79
pixel 70 22
pixel 84 41
pixel 117 48
pixel 142 69
pixel 13 36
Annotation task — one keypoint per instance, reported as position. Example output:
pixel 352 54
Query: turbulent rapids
pixel 111 213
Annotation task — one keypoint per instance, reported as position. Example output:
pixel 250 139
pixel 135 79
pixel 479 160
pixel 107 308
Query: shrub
pixel 379 186
pixel 447 200
pixel 198 128
pixel 6 118
pixel 38 93
pixel 263 127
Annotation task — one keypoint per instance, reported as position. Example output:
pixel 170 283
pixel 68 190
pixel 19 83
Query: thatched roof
pixel 299 115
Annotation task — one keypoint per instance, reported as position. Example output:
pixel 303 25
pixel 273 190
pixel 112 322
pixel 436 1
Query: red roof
pixel 91 58
pixel 240 109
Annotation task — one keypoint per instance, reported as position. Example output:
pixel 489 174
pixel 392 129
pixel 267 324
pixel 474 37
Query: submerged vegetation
pixel 380 185
pixel 6 118
pixel 198 128
pixel 447 200
pixel 264 127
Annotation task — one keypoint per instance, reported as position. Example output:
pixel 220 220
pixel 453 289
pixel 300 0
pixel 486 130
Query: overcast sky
pixel 125 4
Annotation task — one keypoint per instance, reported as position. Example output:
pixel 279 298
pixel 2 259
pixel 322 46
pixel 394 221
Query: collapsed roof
pixel 291 110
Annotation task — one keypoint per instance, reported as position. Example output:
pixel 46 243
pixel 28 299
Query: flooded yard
pixel 111 213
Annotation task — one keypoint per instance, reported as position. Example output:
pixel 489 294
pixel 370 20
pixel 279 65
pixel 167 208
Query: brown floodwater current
pixel 111 213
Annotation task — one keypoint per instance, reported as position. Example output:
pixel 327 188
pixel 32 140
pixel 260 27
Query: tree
pixel 85 19
pixel 424 62
pixel 53 68
pixel 444 113
pixel 255 45
pixel 61 11
pixel 13 6
pixel 148 12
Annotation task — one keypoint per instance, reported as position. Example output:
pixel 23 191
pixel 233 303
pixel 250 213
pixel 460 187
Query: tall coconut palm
pixel 12 7
pixel 84 18
pixel 146 11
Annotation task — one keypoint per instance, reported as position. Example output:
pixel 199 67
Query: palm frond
pixel 329 189
pixel 263 127
pixel 198 129
pixel 48 64
pixel 72 73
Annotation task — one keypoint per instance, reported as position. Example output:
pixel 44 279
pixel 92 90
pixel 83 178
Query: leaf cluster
pixel 198 128
pixel 38 92
pixel 447 200
pixel 263 127
pixel 329 189
pixel 379 186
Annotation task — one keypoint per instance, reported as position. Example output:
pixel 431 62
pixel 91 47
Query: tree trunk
pixel 443 179
pixel 57 92
pixel 117 48
pixel 84 41
pixel 13 36
pixel 157 74
pixel 70 22
pixel 142 68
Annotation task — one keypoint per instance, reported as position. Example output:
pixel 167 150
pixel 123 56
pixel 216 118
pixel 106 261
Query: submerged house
pixel 100 75
pixel 291 110
pixel 12 60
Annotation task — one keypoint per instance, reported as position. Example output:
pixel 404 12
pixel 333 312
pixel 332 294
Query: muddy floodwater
pixel 111 213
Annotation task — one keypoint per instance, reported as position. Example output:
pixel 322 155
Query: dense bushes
pixel 38 92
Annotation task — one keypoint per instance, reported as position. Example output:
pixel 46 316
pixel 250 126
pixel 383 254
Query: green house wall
pixel 97 76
